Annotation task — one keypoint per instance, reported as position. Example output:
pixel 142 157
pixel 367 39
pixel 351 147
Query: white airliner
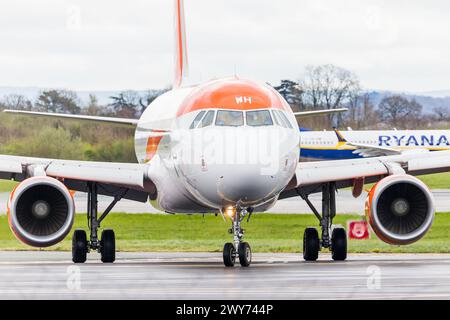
pixel 329 145
pixel 228 146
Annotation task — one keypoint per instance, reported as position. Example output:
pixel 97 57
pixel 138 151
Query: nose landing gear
pixel 238 248
pixel 337 242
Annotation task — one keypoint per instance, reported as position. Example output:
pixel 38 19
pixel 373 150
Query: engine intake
pixel 41 211
pixel 400 209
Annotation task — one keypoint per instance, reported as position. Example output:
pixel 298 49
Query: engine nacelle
pixel 41 211
pixel 400 209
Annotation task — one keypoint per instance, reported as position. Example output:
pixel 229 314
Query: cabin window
pixel 258 118
pixel 197 120
pixel 230 118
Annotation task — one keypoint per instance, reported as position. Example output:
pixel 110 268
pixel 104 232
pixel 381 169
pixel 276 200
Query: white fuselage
pixel 326 145
pixel 204 163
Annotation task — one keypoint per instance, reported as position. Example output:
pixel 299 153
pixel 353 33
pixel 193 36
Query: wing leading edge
pixel 310 173
pixel 110 120
pixel 75 174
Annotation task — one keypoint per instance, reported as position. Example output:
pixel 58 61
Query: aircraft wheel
pixel 245 254
pixel 108 246
pixel 311 244
pixel 229 255
pixel 79 246
pixel 339 244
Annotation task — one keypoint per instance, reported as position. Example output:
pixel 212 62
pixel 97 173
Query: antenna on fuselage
pixel 181 55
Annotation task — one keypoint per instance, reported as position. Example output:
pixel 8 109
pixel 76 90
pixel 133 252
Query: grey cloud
pixel 100 44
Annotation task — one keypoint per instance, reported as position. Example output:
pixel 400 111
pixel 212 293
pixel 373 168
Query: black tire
pixel 339 244
pixel 245 254
pixel 311 244
pixel 108 246
pixel 229 255
pixel 79 246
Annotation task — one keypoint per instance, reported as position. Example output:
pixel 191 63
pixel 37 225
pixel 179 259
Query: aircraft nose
pixel 246 184
pixel 238 165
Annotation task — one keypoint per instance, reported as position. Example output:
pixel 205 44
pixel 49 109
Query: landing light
pixel 230 211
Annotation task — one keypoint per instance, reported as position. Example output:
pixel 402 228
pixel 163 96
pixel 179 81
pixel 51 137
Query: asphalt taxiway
pixel 51 275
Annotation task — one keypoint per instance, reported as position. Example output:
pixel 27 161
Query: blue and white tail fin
pixel 181 56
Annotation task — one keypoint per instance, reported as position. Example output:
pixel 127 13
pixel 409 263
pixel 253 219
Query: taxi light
pixel 230 212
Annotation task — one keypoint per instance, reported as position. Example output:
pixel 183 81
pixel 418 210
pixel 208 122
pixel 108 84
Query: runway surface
pixel 51 275
pixel 345 203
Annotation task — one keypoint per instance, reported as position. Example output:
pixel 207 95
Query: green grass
pixel 265 232
pixel 7 185
pixel 437 181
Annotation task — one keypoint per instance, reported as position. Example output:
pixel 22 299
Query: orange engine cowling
pixel 41 211
pixel 400 209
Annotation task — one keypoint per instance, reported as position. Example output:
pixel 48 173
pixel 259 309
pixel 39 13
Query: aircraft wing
pixel 110 120
pixel 110 176
pixel 313 113
pixel 345 172
pixel 373 151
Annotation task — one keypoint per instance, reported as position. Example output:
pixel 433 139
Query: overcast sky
pixel 115 44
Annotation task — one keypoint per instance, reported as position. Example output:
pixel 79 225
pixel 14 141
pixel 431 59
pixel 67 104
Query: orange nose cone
pixel 233 94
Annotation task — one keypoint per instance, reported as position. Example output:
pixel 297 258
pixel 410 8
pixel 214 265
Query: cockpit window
pixel 282 119
pixel 197 120
pixel 259 118
pixel 230 118
pixel 207 120
pixel 275 119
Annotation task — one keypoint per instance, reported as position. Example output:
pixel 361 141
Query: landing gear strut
pixel 238 248
pixel 333 238
pixel 107 244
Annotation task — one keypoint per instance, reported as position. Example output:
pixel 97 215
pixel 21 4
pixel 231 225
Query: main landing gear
pixel 238 248
pixel 107 243
pixel 333 238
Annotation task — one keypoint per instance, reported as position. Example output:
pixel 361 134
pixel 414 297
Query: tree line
pixel 332 87
pixel 126 104
pixel 320 87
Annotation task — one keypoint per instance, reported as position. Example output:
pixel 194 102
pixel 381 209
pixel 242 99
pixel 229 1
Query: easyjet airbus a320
pixel 228 146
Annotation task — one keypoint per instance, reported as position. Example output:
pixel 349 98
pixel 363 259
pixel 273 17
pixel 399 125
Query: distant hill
pixel 436 94
pixel 429 100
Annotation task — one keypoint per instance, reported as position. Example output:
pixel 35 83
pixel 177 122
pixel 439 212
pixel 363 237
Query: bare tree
pixel 399 112
pixel 93 108
pixel 16 102
pixel 442 113
pixel 329 87
pixel 362 113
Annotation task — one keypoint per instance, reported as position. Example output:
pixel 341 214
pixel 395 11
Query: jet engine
pixel 400 209
pixel 41 211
